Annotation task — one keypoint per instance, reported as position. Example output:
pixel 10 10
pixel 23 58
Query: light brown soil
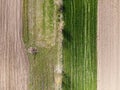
pixel 108 45
pixel 14 66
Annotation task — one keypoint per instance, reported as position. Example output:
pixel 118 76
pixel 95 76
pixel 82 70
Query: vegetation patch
pixel 42 35
pixel 61 59
pixel 79 45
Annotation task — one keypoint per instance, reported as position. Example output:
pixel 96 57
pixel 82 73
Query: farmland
pixel 79 45
pixel 57 44
pixel 57 57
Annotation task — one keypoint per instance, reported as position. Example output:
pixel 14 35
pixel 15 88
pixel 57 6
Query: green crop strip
pixel 79 45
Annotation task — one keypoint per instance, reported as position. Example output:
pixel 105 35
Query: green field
pixel 79 45
pixel 74 47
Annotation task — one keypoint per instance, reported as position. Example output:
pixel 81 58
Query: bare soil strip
pixel 108 45
pixel 14 64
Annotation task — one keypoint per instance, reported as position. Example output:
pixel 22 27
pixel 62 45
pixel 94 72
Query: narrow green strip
pixel 79 45
pixel 25 23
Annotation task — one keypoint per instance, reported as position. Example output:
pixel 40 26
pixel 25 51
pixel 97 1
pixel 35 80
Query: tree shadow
pixel 67 35
pixel 66 83
pixel 67 38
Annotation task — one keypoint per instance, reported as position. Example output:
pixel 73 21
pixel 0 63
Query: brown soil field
pixel 14 65
pixel 108 45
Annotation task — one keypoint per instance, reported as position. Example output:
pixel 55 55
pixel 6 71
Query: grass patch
pixel 41 30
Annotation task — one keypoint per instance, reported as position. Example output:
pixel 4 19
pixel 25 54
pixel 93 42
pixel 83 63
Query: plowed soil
pixel 14 66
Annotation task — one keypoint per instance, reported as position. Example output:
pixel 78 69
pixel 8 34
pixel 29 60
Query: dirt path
pixel 109 45
pixel 13 61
